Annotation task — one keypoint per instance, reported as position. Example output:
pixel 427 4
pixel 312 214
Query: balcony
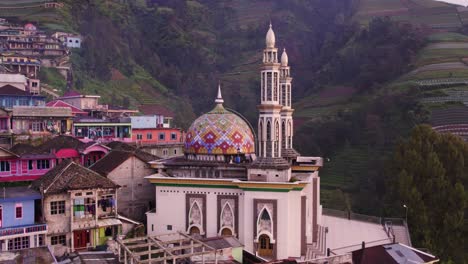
pixel 18 230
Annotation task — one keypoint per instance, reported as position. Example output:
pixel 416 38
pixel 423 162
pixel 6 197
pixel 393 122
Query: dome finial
pixel 219 98
pixel 284 58
pixel 270 38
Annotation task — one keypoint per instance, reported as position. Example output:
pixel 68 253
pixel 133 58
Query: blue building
pixel 19 223
pixel 12 96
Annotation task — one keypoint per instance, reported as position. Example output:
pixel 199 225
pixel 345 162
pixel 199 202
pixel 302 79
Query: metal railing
pixel 8 231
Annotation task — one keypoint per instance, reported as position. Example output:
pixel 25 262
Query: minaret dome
pixel 284 58
pixel 270 38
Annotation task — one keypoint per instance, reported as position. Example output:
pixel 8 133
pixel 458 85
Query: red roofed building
pixel 75 110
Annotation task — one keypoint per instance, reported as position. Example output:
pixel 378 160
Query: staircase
pixel 401 235
pixel 319 248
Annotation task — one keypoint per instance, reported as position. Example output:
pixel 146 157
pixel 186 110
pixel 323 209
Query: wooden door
pixel 265 248
pixel 226 232
pixel 80 238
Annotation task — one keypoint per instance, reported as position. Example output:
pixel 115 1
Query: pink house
pixel 25 162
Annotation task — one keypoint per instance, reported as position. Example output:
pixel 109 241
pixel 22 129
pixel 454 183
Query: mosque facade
pixel 234 182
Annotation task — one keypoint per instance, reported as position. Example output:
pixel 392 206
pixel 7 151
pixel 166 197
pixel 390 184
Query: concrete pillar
pixel 119 250
pixel 203 255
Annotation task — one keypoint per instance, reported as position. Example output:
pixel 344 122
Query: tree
pixel 429 173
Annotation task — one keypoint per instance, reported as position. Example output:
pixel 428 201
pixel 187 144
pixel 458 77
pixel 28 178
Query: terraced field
pixel 435 14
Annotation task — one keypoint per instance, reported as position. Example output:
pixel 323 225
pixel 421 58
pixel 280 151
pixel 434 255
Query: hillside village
pixel 87 182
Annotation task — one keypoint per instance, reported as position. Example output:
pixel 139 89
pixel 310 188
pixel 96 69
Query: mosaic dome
pixel 219 131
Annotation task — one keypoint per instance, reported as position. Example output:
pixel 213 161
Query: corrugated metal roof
pixel 41 111
pixel 12 78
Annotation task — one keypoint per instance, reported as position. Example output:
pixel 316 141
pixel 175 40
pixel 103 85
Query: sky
pixel 458 2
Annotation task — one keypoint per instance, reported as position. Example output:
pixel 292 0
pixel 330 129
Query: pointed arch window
pixel 277 136
pixel 275 85
pixel 268 140
pixel 269 85
pixel 283 134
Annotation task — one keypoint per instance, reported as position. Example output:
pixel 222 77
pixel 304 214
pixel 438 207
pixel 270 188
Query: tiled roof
pixel 61 142
pixel 289 153
pixel 22 148
pixel 270 163
pixel 55 143
pixel 71 176
pixel 117 145
pixel 12 90
pixel 391 254
pixel 156 110
pixel 116 157
pixel 41 111
pixel 19 193
pixel 60 103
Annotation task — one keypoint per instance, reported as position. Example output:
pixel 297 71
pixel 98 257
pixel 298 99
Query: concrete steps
pixel 319 248
pixel 401 235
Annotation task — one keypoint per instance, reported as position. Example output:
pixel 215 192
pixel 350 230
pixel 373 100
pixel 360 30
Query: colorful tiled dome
pixel 219 131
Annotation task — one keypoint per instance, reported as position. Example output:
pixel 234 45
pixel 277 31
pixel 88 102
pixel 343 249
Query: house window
pixel 19 211
pixel 139 136
pixel 4 165
pixel 108 131
pixel 149 136
pixel 59 240
pixel 169 227
pixel 36 126
pixel 18 243
pixel 161 136
pixel 23 101
pixel 57 207
pixel 43 164
pixel 173 136
pixel 3 124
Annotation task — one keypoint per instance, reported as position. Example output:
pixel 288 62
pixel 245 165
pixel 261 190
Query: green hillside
pixel 174 52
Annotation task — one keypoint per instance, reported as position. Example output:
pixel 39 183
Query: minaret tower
pixel 287 127
pixel 269 120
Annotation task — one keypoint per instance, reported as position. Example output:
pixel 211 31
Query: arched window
pixel 268 140
pixel 268 131
pixel 260 138
pixel 277 135
pixel 275 86
pixel 269 85
pixel 283 94
pixel 262 94
pixel 283 134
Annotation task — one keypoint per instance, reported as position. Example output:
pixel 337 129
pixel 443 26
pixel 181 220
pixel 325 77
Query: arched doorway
pixel 194 230
pixel 265 248
pixel 226 232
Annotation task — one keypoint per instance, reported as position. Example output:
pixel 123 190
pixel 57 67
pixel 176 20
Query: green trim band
pixel 226 187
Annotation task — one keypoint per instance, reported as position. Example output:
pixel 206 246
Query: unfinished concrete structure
pixel 176 247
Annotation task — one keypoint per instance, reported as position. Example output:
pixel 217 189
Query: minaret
pixel 269 120
pixel 287 127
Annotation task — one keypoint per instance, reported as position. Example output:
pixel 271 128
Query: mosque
pixel 235 182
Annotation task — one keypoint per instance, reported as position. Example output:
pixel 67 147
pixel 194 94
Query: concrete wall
pixel 57 224
pixel 9 213
pixel 171 201
pixel 136 192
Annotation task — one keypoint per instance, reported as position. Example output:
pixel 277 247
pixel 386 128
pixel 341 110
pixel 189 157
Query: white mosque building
pixel 231 182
